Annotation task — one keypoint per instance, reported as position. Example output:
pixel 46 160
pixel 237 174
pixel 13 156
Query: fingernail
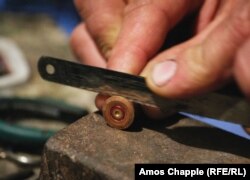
pixel 163 72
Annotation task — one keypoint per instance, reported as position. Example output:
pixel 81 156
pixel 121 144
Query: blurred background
pixel 31 109
pixel 28 30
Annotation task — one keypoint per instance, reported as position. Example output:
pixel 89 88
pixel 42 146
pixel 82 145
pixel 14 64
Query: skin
pixel 126 35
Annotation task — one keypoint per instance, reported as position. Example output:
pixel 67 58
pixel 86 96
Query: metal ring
pixel 118 112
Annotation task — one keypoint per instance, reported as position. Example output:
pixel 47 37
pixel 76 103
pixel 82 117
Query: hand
pixel 126 35
pixel 219 51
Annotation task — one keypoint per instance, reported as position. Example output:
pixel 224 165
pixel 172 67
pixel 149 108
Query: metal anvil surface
pixel 89 149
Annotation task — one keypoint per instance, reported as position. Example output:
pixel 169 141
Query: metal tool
pixel 25 164
pixel 227 105
pixel 21 159
pixel 14 108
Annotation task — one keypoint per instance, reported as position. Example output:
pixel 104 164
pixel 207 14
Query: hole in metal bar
pixel 50 69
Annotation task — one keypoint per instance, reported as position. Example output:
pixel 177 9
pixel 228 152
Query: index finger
pixel 143 31
pixel 103 19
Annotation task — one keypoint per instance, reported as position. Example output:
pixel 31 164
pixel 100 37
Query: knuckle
pixel 105 36
pixel 148 9
pixel 240 23
pixel 201 71
pixel 104 47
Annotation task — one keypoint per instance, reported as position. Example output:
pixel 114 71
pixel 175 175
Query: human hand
pixel 218 52
pixel 124 36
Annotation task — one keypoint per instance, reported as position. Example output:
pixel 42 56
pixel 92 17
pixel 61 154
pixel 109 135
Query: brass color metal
pixel 118 112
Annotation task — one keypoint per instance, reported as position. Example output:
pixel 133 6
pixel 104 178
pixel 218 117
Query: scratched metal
pixel 226 107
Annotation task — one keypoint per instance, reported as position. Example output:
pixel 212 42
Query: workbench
pixel 89 149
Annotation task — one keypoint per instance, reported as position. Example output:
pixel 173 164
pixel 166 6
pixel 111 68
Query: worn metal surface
pixel 233 108
pixel 118 112
pixel 89 149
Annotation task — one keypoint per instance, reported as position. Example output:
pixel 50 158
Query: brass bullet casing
pixel 118 112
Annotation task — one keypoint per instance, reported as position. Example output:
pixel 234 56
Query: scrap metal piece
pixel 21 159
pixel 118 112
pixel 225 106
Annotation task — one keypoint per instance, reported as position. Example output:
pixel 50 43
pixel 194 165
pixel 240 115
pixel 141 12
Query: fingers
pixel 242 67
pixel 100 100
pixel 207 14
pixel 85 48
pixel 143 31
pixel 103 19
pixel 144 27
pixel 201 64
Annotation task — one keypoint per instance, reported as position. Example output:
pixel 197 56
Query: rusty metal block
pixel 89 149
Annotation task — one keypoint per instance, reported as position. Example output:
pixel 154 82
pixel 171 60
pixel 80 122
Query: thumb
pixel 203 63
